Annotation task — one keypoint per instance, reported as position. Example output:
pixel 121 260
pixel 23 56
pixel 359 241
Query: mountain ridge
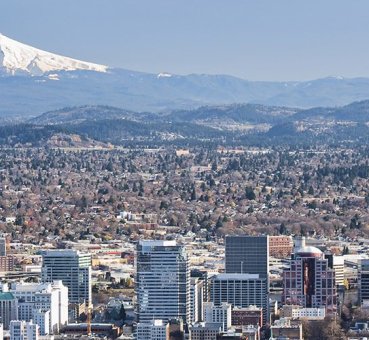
pixel 33 82
pixel 237 113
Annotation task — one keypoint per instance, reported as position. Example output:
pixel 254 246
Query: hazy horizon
pixel 267 40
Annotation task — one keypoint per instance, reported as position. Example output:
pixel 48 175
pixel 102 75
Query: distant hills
pixel 222 114
pixel 248 124
pixel 102 105
pixel 79 114
pixel 33 81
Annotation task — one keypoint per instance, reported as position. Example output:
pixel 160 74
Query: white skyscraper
pixel 162 281
pixel 42 319
pixel 40 301
pixel 71 267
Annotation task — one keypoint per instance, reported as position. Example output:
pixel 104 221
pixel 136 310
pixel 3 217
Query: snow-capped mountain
pixel 50 82
pixel 18 58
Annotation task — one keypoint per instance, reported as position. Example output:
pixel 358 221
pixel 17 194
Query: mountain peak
pixel 19 58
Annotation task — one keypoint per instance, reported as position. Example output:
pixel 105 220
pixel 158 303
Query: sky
pixel 252 39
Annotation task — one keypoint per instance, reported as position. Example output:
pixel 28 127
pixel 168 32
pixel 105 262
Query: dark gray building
pixel 250 255
pixel 240 290
pixel 2 246
pixel 247 255
pixel 363 278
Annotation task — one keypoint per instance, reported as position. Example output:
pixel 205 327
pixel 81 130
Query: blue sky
pixel 252 39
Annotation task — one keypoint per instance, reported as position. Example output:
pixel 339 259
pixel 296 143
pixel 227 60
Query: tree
pixel 193 194
pixel 326 329
pixel 282 229
pixel 122 313
pixel 19 220
pixel 250 195
pixel 345 250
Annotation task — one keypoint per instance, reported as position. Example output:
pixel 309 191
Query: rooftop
pixel 308 251
pixel 236 276
pixel 6 296
pixel 153 243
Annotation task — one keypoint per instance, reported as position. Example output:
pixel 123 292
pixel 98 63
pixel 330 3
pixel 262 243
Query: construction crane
pixel 89 312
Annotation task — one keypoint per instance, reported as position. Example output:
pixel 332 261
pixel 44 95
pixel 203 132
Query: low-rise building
pixel 153 330
pixel 280 246
pixel 203 331
pixel 298 312
pixel 219 315
pixel 284 329
pixel 251 315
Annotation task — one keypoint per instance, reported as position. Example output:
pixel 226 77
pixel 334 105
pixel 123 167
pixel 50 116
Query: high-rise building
pixel 250 255
pixel 240 290
pixel 49 300
pixel 41 317
pixel 202 275
pixel 363 281
pixel 73 269
pixel 197 299
pixel 309 282
pixel 2 246
pixel 8 308
pixel 23 330
pixel 162 281
pixel 247 255
pixel 337 263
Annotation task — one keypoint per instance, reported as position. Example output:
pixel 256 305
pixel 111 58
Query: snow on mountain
pixel 18 58
pixel 164 75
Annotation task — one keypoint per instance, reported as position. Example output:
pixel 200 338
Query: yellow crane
pixel 89 312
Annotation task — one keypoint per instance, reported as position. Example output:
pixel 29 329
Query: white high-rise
pixel 35 300
pixel 71 267
pixel 23 330
pixel 162 281
pixel 220 315
pixel 41 317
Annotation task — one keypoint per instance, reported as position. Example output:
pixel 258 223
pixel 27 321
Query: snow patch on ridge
pixel 164 75
pixel 19 58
